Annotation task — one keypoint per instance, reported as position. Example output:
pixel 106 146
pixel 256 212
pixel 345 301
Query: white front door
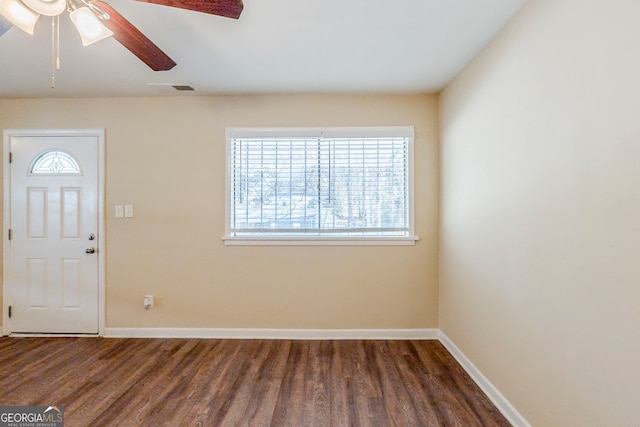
pixel 54 202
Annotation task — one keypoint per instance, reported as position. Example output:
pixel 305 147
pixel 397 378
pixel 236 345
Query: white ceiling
pixel 277 46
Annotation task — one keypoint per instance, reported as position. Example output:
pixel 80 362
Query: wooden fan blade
pixel 226 8
pixel 5 25
pixel 133 39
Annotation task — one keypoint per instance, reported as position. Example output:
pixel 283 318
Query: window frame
pixel 328 132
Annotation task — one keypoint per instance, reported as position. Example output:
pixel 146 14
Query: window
pixel 336 185
pixel 55 162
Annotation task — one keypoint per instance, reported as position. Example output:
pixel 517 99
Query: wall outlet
pixel 148 302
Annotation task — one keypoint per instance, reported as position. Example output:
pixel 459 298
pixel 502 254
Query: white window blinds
pixel 319 186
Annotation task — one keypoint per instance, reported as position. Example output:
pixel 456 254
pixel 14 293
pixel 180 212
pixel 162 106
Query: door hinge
pixel 10 312
pixel 10 234
pixel 10 157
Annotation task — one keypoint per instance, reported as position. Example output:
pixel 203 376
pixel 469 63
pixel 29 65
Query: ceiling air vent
pixel 171 88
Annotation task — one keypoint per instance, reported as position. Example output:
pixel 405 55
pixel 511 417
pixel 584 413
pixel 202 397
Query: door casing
pixel 6 261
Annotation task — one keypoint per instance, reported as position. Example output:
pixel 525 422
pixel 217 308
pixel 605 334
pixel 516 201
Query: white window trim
pixel 383 131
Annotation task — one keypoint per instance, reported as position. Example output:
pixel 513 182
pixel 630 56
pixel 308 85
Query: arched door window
pixel 55 162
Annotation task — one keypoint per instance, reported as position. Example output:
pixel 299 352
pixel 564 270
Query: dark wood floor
pixel 196 382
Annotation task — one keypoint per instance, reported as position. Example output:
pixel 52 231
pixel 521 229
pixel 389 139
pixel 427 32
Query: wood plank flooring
pixel 198 382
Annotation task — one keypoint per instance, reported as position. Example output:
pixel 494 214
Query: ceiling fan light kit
pixel 19 15
pixel 88 25
pixel 95 20
pixel 47 7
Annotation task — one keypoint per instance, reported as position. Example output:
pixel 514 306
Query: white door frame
pixel 6 261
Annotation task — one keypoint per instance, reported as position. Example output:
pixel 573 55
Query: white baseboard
pixel 498 399
pixel 293 334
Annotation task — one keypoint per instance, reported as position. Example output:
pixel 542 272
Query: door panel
pixel 72 289
pixel 71 212
pixel 37 213
pixel 54 210
pixel 37 285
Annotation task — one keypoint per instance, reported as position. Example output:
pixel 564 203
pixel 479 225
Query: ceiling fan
pixel 96 20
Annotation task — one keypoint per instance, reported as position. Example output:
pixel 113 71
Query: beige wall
pixel 166 156
pixel 540 267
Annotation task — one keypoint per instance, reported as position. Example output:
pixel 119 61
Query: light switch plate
pixel 148 302
pixel 119 211
pixel 128 211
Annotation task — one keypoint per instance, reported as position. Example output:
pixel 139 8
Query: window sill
pixel 319 241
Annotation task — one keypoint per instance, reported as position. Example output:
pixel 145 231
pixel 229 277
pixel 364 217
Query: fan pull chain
pixel 58 42
pixel 53 52
pixel 55 48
